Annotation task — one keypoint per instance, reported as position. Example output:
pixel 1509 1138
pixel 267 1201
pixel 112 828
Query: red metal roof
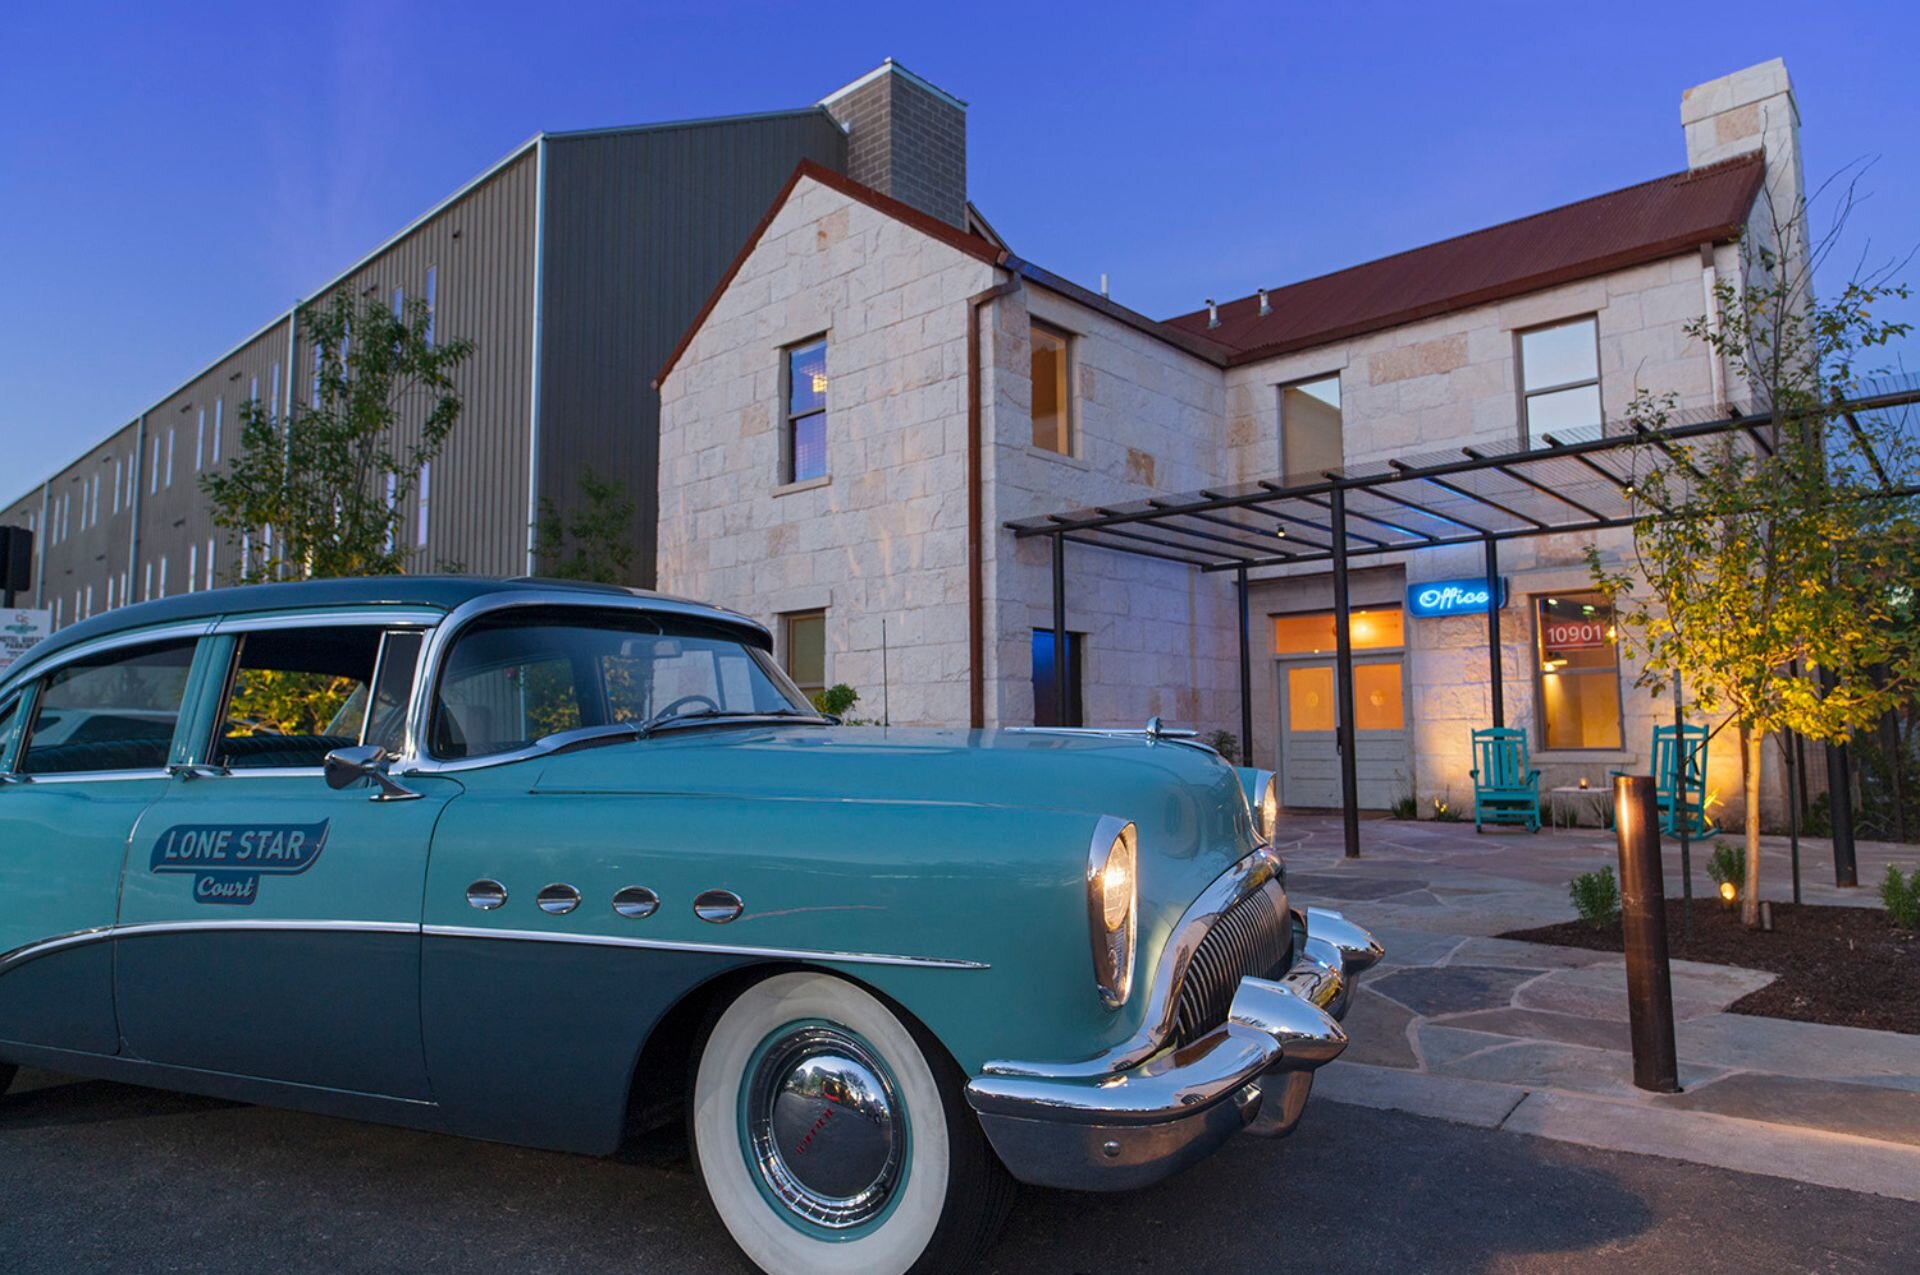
pixel 1660 218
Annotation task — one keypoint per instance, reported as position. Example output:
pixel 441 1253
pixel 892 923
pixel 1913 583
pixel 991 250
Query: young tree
pixel 1769 570
pixel 326 485
pixel 597 542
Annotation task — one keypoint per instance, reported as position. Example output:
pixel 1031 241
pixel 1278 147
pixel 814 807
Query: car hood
pixel 1186 801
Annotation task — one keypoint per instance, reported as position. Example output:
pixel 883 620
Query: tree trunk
pixel 1750 741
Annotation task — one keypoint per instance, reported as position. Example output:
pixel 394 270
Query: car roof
pixel 441 593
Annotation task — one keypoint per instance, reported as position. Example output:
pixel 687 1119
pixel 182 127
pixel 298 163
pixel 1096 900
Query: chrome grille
pixel 1252 937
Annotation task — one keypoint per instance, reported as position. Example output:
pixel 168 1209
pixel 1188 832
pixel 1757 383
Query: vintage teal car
pixel 546 864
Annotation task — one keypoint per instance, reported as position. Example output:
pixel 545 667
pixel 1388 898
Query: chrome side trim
pixel 79 938
pixel 47 947
pixel 364 617
pixel 1231 886
pixel 724 949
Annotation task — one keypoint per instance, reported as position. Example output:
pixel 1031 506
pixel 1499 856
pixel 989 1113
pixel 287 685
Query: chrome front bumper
pixel 1128 1128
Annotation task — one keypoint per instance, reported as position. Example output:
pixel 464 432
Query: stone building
pixel 873 392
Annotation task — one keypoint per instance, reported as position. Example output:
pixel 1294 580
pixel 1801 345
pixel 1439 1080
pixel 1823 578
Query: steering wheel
pixel 673 709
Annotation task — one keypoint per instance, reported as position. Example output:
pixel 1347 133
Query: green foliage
pixel 330 483
pixel 1901 897
pixel 596 543
pixel 1443 811
pixel 1227 744
pixel 837 700
pixel 1407 807
pixel 1774 581
pixel 1596 897
pixel 283 702
pixel 1727 865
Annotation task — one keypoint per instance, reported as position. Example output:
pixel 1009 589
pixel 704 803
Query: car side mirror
pixel 346 767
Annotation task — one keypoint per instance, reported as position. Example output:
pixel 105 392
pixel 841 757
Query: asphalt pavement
pixel 102 1177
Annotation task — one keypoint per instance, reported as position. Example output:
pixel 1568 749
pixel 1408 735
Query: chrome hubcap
pixel 825 1127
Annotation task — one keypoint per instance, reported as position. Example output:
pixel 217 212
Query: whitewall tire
pixel 832 1135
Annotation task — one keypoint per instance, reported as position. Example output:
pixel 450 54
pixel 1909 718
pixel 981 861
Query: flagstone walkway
pixel 1524 1036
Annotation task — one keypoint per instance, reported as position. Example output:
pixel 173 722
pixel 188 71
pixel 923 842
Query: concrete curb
pixel 1638 1127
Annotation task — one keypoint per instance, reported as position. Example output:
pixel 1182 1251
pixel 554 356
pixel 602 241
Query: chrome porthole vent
pixel 717 906
pixel 557 899
pixel 635 902
pixel 825 1127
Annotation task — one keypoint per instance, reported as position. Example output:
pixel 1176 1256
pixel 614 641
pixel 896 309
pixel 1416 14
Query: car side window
pixel 508 683
pixel 113 711
pixel 296 695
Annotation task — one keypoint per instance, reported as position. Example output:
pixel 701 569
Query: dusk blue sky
pixel 174 175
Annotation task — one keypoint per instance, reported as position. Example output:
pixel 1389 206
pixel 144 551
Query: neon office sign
pixel 1452 597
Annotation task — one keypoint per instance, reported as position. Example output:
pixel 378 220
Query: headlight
pixel 1113 895
pixel 1266 816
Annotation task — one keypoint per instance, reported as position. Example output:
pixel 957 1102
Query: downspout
pixel 533 376
pixel 40 546
pixel 133 509
pixel 976 536
pixel 1716 366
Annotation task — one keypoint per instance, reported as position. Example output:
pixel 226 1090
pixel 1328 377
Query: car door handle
pixel 197 770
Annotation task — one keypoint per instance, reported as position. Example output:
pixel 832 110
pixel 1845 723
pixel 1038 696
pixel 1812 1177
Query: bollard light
pixel 1729 892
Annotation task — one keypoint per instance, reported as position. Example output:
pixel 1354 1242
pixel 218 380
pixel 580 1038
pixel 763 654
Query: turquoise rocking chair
pixel 1688 782
pixel 1505 788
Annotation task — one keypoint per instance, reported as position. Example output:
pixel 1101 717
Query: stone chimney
pixel 906 138
pixel 1750 110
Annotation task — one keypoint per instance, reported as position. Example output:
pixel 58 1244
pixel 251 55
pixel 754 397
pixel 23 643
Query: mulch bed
pixel 1844 966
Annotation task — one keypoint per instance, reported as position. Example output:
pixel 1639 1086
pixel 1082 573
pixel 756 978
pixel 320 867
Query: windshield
pixel 515 679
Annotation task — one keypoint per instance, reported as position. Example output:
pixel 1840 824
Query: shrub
pixel 1443 810
pixel 1727 864
pixel 837 700
pixel 1596 897
pixel 1407 807
pixel 1227 744
pixel 1902 898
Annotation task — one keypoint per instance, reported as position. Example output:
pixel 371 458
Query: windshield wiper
pixel 653 724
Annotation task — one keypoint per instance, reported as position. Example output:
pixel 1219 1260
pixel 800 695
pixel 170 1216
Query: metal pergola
pixel 1577 480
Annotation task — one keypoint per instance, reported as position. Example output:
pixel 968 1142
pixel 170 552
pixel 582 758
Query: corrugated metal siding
pixel 639 228
pixel 81 548
pixel 176 522
pixel 481 250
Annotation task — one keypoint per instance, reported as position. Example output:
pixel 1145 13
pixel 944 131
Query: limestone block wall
pixel 883 534
pixel 1148 421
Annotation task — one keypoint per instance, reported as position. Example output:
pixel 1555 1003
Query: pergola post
pixel 1846 871
pixel 1060 631
pixel 1246 671
pixel 1493 633
pixel 1343 680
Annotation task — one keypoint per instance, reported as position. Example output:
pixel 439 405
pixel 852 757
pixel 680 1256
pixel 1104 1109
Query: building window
pixel 1311 442
pixel 804 635
pixel 193 567
pixel 200 443
pixel 807 411
pixel 424 500
pixel 399 302
pixel 170 456
pixel 1052 391
pixel 219 423
pixel 1560 378
pixel 1579 688
pixel 209 562
pixel 1312 633
pixel 273 408
pixel 153 478
pixel 432 280
pixel 1046 691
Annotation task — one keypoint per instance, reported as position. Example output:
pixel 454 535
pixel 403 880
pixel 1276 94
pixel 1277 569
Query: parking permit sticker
pixel 228 860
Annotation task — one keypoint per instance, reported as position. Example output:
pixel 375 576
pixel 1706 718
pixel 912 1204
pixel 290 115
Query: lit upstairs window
pixel 807 411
